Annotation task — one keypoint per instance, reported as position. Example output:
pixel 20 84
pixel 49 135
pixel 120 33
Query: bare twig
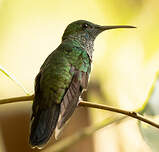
pixel 16 99
pixel 117 110
pixel 90 105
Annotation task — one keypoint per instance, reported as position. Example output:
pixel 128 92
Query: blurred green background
pixel 124 64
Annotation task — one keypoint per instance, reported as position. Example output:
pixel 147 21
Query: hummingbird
pixel 61 80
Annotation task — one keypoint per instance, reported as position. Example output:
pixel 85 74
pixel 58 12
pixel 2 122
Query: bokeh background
pixel 124 65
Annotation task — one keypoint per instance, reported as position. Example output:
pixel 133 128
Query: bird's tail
pixel 43 125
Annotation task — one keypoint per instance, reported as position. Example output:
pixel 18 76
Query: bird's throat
pixel 84 42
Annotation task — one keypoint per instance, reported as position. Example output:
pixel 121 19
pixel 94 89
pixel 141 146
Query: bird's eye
pixel 85 25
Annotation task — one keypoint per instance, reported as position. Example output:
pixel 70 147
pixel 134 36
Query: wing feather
pixel 71 97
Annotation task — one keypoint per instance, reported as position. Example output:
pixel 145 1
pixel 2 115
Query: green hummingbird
pixel 61 80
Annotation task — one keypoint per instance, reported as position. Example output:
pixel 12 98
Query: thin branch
pixel 90 105
pixel 16 99
pixel 117 110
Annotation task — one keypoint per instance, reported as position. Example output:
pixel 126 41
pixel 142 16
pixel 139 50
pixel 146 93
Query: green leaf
pixel 150 134
pixel 151 110
pixel 11 77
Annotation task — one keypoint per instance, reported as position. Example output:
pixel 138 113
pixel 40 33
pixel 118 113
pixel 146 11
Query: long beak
pixel 103 28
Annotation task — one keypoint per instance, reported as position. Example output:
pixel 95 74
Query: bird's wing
pixel 71 97
pixel 37 94
pixel 44 120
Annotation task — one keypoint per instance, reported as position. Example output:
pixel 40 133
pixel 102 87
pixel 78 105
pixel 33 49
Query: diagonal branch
pixel 117 110
pixel 90 105
pixel 67 142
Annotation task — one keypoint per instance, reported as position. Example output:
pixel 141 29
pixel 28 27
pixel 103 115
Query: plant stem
pixel 117 110
pixel 16 99
pixel 90 105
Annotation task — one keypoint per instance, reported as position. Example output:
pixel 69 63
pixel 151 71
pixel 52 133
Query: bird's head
pixel 86 31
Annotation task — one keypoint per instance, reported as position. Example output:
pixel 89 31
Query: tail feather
pixel 43 125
